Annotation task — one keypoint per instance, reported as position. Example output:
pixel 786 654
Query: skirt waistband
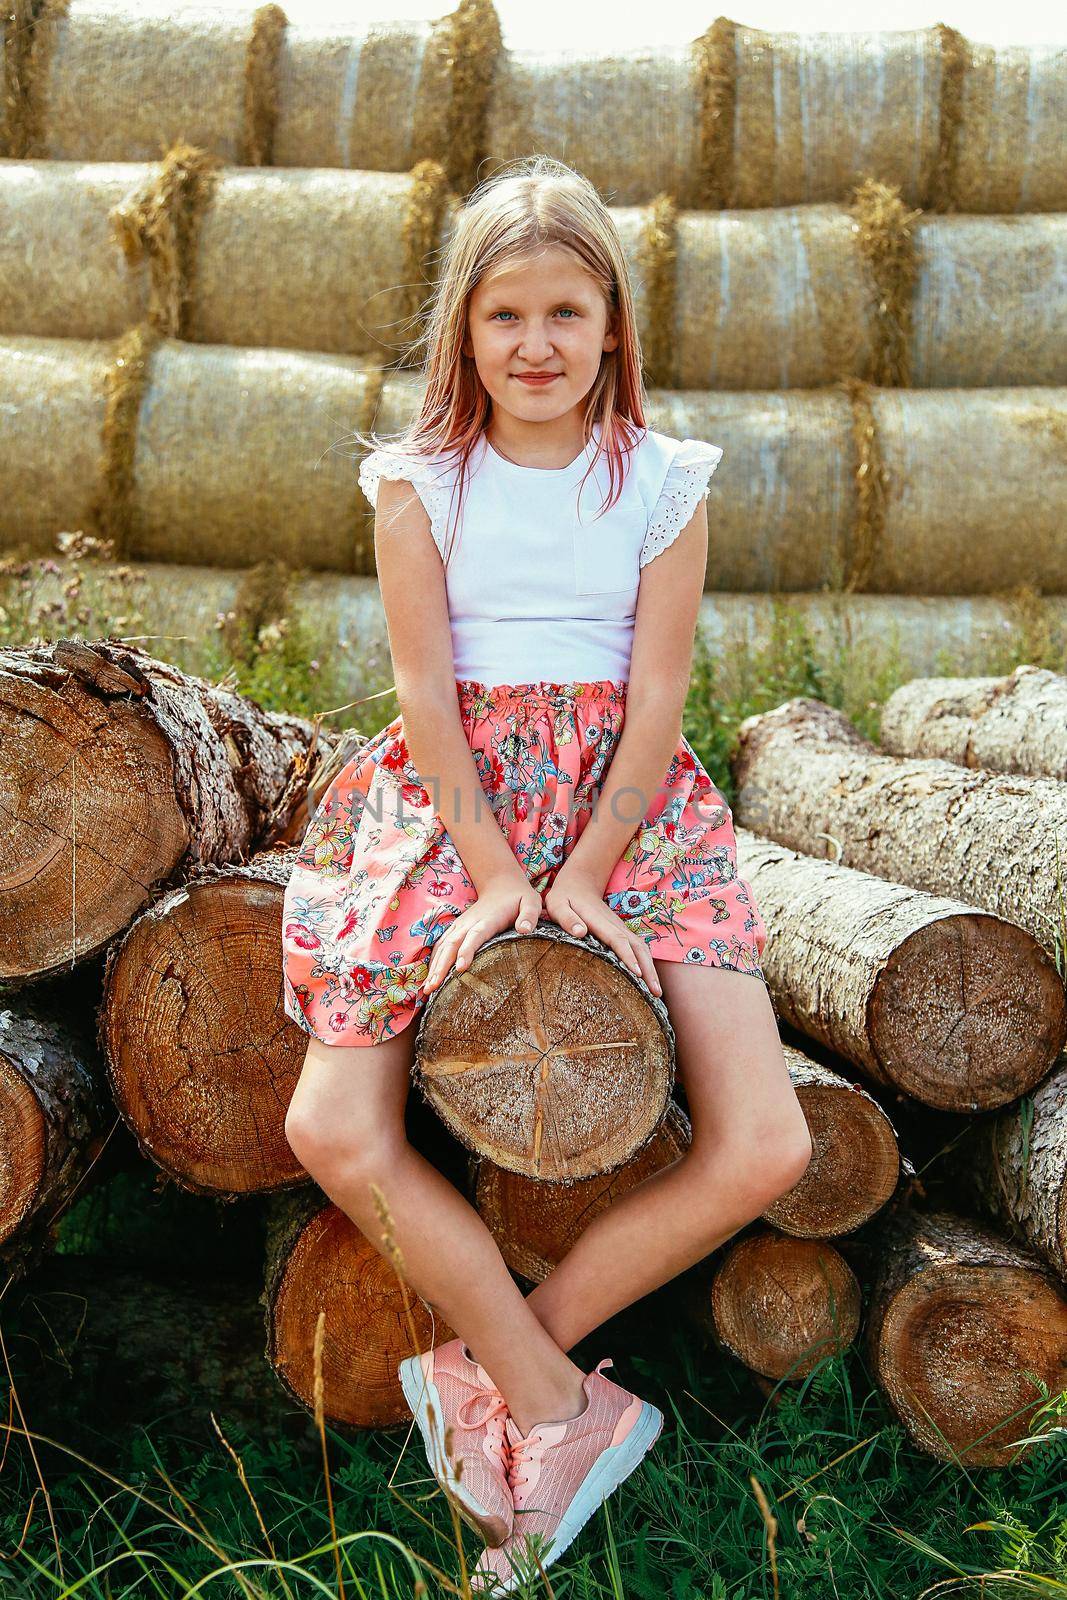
pixel 596 691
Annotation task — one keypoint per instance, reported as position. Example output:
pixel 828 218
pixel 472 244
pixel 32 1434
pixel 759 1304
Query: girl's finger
pixel 469 944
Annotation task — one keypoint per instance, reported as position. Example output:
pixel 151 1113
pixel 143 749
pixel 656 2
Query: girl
pixel 542 647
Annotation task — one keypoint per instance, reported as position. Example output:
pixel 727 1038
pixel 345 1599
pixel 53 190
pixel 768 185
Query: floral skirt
pixel 378 879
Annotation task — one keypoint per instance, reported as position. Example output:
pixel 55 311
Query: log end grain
pixel 854 1167
pixel 968 1013
pixel 781 1305
pixel 91 821
pixel 547 1056
pixel 332 1268
pixel 202 1059
pixel 22 1148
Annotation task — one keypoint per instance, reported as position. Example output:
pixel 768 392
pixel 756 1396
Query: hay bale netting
pixel 974 486
pixel 229 451
pixel 743 117
pixel 1012 143
pixel 118 82
pixel 989 301
pixel 786 299
pixel 305 260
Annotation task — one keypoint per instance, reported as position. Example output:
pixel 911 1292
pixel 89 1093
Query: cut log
pixel 547 1055
pixel 55 1114
pixel 806 777
pixel 317 1260
pixel 958 1317
pixel 1016 723
pixel 1014 1168
pixel 101 1350
pixel 119 775
pixel 855 1163
pixel 956 1008
pixel 535 1222
pixel 781 1305
pixel 201 1057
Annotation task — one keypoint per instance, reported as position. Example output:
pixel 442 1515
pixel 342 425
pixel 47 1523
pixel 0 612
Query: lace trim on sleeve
pixel 427 479
pixel 686 481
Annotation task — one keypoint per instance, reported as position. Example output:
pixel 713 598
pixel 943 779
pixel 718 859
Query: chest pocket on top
pixel 605 558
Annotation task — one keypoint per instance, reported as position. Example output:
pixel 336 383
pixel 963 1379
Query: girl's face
pixel 541 314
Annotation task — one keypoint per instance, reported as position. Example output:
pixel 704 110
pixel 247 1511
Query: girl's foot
pixel 446 1391
pixel 561 1472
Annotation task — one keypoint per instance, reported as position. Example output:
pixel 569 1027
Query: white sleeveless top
pixel 539 591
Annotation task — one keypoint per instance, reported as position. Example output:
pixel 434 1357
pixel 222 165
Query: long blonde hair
pixel 530 203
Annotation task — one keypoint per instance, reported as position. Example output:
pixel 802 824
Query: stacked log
pixel 923 993
pixel 958 1311
pixel 121 774
pixel 807 778
pixel 55 1116
pixel 958 1319
pixel 1016 723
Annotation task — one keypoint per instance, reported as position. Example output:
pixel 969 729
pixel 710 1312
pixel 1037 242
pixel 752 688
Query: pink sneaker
pixel 454 1399
pixel 561 1472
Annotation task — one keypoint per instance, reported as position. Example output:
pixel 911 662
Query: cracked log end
pixel 202 1058
pixel 780 1305
pixel 958 1317
pixel 89 821
pixel 546 1056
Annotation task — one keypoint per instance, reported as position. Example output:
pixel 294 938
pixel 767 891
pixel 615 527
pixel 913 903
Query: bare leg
pixel 750 1144
pixel 346 1124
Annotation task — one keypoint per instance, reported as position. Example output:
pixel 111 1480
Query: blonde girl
pixel 541 636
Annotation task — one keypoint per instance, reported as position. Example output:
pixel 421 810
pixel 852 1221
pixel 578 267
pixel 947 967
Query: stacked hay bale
pixel 228 236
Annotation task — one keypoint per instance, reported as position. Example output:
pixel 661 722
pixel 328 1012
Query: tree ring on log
pixel 984 994
pixel 781 1305
pixel 91 821
pixel 547 1055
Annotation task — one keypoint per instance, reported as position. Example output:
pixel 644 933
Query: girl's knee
pixel 326 1144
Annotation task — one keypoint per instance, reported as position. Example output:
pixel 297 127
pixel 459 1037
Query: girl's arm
pixel 412 582
pixel 668 606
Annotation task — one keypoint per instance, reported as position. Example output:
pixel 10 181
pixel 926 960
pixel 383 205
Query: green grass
pixel 815 1492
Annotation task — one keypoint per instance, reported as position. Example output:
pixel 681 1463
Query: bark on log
pixel 55 1115
pixel 101 1350
pixel 806 776
pixel 781 1305
pixel 201 1058
pixel 317 1260
pixel 956 1008
pixel 120 774
pixel 1016 723
pixel 855 1162
pixel 958 1316
pixel 1014 1168
pixel 535 1222
pixel 547 1055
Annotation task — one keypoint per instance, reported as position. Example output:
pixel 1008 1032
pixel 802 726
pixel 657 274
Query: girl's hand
pixel 573 902
pixel 503 902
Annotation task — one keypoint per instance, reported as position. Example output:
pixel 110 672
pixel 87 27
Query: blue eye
pixel 511 313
